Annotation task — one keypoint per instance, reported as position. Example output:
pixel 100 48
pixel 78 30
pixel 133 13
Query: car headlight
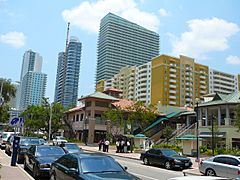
pixel 44 166
pixel 177 161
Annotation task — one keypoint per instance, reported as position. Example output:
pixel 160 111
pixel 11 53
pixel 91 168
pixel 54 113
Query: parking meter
pixel 16 141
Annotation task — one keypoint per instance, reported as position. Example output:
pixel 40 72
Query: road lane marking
pixel 144 176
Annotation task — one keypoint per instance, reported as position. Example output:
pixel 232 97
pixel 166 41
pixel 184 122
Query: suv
pixel 59 140
pixel 3 140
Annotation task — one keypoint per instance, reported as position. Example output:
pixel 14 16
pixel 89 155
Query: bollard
pixel 16 141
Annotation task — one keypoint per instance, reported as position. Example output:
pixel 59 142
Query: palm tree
pixel 7 89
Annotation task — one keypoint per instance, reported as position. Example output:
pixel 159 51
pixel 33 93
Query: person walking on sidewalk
pixel 117 146
pixel 100 145
pixel 107 145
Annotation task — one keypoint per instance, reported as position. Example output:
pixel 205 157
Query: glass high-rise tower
pixel 122 43
pixel 32 81
pixel 66 88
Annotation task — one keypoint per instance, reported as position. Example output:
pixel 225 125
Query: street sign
pixel 16 122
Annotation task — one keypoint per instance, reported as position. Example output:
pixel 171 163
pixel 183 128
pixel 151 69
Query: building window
pixel 77 119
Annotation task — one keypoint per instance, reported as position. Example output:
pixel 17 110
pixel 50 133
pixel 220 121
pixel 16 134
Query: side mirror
pixel 72 171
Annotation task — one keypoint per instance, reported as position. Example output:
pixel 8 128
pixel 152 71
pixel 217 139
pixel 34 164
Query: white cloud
pixel 163 12
pixel 15 39
pixel 87 15
pixel 205 35
pixel 233 60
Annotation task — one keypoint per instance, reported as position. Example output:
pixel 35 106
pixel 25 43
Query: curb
pixel 25 172
pixel 191 172
pixel 111 154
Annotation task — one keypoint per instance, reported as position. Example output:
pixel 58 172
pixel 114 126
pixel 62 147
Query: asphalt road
pixel 144 172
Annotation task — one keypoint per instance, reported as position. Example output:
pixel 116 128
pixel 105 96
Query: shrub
pixel 169 146
pixel 73 140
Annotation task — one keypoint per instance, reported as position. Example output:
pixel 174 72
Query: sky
pixel 208 31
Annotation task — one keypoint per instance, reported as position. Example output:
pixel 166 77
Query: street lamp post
pixel 198 152
pixel 213 145
pixel 50 124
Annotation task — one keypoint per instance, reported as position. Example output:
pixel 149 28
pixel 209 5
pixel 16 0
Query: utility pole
pixel 213 145
pixel 1 97
pixel 50 124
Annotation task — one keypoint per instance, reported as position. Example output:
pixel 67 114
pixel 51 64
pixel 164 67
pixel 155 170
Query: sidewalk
pixel 8 172
pixel 111 151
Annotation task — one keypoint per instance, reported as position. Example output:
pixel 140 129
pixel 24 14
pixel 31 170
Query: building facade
pixel 221 82
pixel 123 43
pixel 177 81
pixel 32 81
pixel 67 78
pixel 33 87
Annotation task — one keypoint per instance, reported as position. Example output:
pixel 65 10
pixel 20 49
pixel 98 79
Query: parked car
pixel 166 157
pixel 59 140
pixel 222 165
pixel 88 166
pixel 38 159
pixel 70 148
pixel 9 144
pixel 25 144
pixel 4 138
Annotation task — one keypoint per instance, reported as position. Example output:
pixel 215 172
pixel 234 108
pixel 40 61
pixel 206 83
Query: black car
pixel 166 157
pixel 88 166
pixel 70 148
pixel 38 159
pixel 25 144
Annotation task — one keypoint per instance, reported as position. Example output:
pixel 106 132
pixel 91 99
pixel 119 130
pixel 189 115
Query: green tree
pixel 37 117
pixel 167 132
pixel 214 132
pixel 115 121
pixel 141 116
pixel 7 91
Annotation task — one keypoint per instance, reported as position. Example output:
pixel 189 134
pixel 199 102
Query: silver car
pixel 222 165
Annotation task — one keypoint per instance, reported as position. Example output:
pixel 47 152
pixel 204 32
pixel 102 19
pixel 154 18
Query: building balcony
pixel 172 92
pixel 173 70
pixel 173 75
pixel 172 102
pixel 172 81
pixel 172 86
pixel 172 97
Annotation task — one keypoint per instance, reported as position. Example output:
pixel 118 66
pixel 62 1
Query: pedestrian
pixel 103 145
pixel 117 146
pixel 100 145
pixel 128 146
pixel 122 146
pixel 106 145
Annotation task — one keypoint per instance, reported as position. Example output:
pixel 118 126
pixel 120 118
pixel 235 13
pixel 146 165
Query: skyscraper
pixel 32 81
pixel 122 43
pixel 66 88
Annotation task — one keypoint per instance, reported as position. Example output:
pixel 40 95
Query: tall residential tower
pixel 67 78
pixel 32 80
pixel 122 43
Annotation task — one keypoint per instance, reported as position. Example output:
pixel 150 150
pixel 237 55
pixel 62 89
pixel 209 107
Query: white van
pixel 4 138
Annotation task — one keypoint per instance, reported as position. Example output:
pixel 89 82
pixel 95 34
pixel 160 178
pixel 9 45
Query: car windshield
pixel 100 164
pixel 28 141
pixel 49 151
pixel 169 152
pixel 71 146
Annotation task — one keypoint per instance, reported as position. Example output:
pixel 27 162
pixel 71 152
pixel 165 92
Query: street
pixel 135 167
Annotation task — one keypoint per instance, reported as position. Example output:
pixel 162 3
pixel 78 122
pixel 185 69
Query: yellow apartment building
pixel 177 81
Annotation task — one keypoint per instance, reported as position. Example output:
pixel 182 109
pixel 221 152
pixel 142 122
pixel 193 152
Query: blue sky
pixel 208 31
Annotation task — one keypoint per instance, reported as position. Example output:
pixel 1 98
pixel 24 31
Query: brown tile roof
pixel 113 90
pixel 123 103
pixel 76 108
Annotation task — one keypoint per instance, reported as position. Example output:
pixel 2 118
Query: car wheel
pixel 210 172
pixel 53 176
pixel 146 161
pixel 35 172
pixel 168 165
